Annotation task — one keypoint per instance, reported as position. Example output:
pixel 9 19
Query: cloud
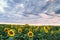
pixel 32 12
pixel 13 15
pixel 43 15
pixel 2 5
pixel 54 20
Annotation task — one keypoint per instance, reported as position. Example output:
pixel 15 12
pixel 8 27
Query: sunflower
pixel 19 30
pixel 58 31
pixel 30 34
pixel 45 30
pixel 52 32
pixel 6 29
pixel 48 27
pixel 11 32
pixel 12 26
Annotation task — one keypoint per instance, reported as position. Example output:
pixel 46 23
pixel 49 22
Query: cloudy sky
pixel 30 11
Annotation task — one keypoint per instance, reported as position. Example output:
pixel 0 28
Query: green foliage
pixel 38 32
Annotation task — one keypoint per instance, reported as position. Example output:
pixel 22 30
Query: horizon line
pixel 29 24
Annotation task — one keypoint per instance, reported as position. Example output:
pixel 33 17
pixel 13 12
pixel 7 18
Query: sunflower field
pixel 28 32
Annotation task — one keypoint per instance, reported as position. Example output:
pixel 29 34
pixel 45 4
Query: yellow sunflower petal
pixel 52 32
pixel 30 34
pixel 11 32
pixel 6 29
pixel 19 30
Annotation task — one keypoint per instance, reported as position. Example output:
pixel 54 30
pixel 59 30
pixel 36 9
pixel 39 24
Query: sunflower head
pixel 30 34
pixel 52 32
pixel 48 27
pixel 12 26
pixel 6 29
pixel 45 30
pixel 19 30
pixel 11 32
pixel 58 31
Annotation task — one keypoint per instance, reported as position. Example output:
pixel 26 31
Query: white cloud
pixel 1 9
pixel 55 20
pixel 20 5
pixel 47 0
pixel 43 15
pixel 32 16
pixel 2 5
pixel 52 13
pixel 17 11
